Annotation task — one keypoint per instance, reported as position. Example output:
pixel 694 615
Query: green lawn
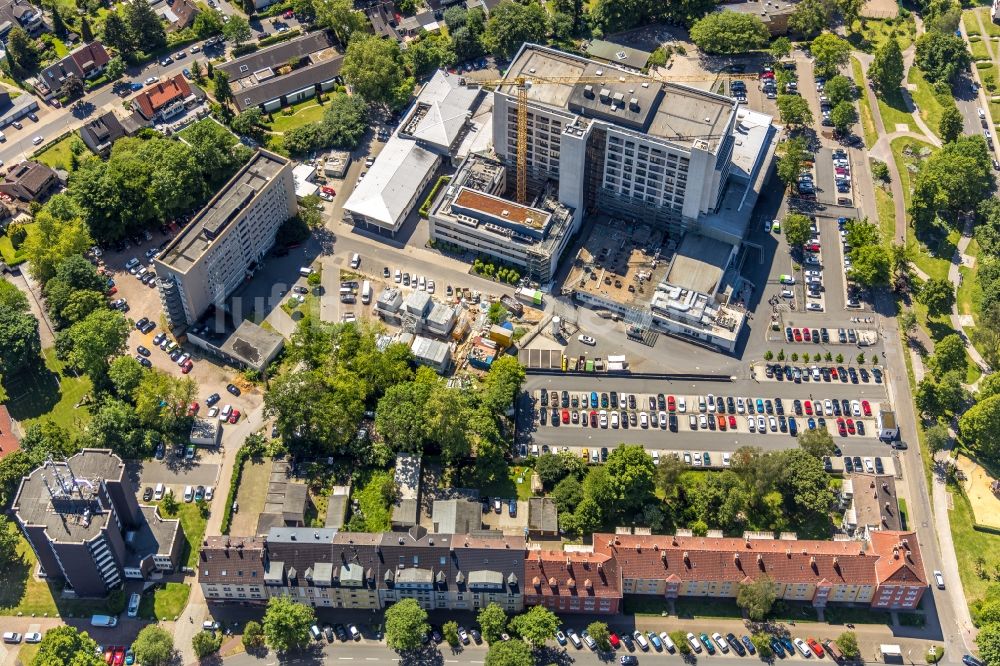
pixel 995 111
pixel 371 501
pixel 930 107
pixel 303 113
pixel 522 480
pixel 970 22
pixel 229 137
pixel 992 29
pixel 48 393
pixel 867 119
pixel 886 213
pixel 903 515
pixel 873 33
pixel 970 544
pixel 59 154
pixel 979 50
pixel 193 524
pixel 893 110
pixel 13 257
pixel 165 603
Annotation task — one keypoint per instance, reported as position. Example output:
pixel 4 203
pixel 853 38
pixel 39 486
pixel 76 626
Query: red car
pixel 565 416
pixel 119 656
pixel 833 372
pixel 866 408
pixel 815 647
pixel 732 423
pixel 671 403
pixel 808 407
pixel 614 640
pixel 850 426
pixel 593 419
pixel 806 335
pixel 797 334
pixel 328 190
pixel 813 247
pixel 109 654
pixel 112 291
pixel 186 368
pixel 193 408
pixel 289 14
pixel 721 420
pixel 235 416
pixel 841 427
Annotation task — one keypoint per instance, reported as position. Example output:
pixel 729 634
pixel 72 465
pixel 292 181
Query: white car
pixel 787 293
pixel 213 412
pixel 740 406
pixel 751 424
pixel 603 417
pixel 614 419
pixel 856 407
pixel 398 276
pixel 37 140
pixel 939 579
pixel 643 420
pixel 814 307
pixel 702 421
pixel 430 286
pixel 188 494
pixel 682 405
pixel 721 642
pixel 803 648
pixel 209 493
pixel 663 419
pixel 694 642
pixel 151 80
pixel 587 340
pixel 771 421
pixel 761 424
pixel 726 458
pixel 33 637
pixel 828 407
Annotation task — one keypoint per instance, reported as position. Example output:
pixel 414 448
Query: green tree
pixel 797 228
pixel 949 354
pixel 941 56
pixel 794 110
pixel 405 625
pixel 830 53
pixel 810 18
pixel 169 503
pixel 207 24
pixel 115 68
pixel 206 643
pixel 145 28
pixel 851 11
pixel 493 622
pixel 341 17
pixel 20 344
pixel 21 51
pixel 237 30
pixel 843 116
pixel 66 645
pixel 870 265
pixel 154 646
pixel 86 32
pixel 53 241
pixel 839 89
pixel 780 48
pixel 601 634
pixel 817 443
pixel 728 33
pixel 988 641
pixel 12 299
pixel 758 597
pixel 511 24
pixel 938 294
pixel 374 68
pixel 630 472
pixel 116 34
pixel 791 160
pixel 253 636
pixel 509 653
pixel 886 70
pixel 762 642
pixel 567 494
pixel 93 341
pixel 223 93
pixel 536 626
pixel 950 126
pixel 979 424
pixel 848 644
pixel 286 624
pixel 450 632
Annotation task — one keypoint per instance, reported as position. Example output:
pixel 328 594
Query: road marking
pixel 346 658
pixel 371 658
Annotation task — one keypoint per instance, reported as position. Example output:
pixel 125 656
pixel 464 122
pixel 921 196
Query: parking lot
pixel 176 473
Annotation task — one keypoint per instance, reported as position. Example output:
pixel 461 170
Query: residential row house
pixel 333 569
pixel 337 569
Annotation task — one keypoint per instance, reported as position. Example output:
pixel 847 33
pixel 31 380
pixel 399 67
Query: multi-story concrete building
pixel 82 519
pixel 224 242
pixel 471 213
pixel 885 572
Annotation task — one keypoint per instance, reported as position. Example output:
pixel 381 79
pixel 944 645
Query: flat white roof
pixel 399 172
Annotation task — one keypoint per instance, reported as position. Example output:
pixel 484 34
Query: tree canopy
pixel 536 626
pixel 886 70
pixel 794 110
pixel 405 625
pixel 344 123
pixel 941 56
pixel 830 53
pixel 728 33
pixel 511 24
pixel 154 646
pixel 374 68
pixel 286 624
pixel 66 646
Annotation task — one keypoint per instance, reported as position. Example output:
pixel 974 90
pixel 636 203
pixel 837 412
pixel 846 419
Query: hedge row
pixel 234 484
pixel 425 208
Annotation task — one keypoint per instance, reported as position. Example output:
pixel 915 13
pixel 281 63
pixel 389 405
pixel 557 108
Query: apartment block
pixel 232 568
pixel 885 572
pixel 574 580
pixel 224 242
pixel 85 525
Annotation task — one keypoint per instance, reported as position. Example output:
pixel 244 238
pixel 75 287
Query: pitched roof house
pixel 163 99
pixel 84 62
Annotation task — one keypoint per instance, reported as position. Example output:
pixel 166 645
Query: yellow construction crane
pixel 522 83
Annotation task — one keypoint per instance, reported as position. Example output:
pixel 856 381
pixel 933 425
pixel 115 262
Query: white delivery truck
pixel 366 292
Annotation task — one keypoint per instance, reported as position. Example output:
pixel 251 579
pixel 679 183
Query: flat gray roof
pixel 80 513
pixel 277 55
pixel 670 111
pixel 197 237
pixel 699 263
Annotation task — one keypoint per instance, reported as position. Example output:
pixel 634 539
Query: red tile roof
pixel 8 440
pixel 899 559
pixel 738 560
pixel 90 56
pixel 158 95
pixel 552 573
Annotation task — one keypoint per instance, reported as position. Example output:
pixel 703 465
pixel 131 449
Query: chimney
pixel 836 563
pixel 687 558
pixel 571 583
pixel 587 584
pixel 888 508
pixel 663 556
pixel 895 553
